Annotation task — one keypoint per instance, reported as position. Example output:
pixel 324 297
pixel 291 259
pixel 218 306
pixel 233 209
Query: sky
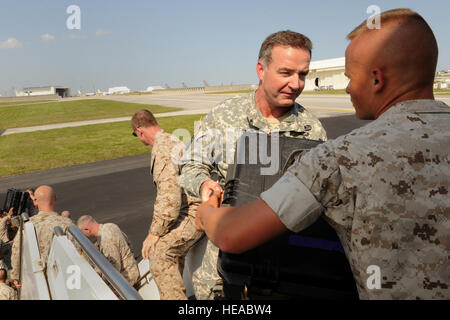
pixel 137 43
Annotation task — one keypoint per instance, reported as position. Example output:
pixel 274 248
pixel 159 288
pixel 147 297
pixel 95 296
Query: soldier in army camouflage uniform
pixel 282 67
pixel 6 292
pixel 44 223
pixel 173 230
pixel 113 244
pixel 383 187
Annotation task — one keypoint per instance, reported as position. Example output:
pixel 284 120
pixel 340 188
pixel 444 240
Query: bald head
pixel 45 198
pixel 400 57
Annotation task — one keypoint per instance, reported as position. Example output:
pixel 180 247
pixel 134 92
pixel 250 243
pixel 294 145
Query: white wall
pixel 22 93
pixel 336 78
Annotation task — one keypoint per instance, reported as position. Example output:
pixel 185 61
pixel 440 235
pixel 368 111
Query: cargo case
pixel 310 264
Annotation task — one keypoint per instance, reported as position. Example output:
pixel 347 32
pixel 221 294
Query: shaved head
pixel 399 58
pixel 45 198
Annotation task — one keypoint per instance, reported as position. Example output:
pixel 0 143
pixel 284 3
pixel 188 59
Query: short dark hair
pixel 143 118
pixel 285 38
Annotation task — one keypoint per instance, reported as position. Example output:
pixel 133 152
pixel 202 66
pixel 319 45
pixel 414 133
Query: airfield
pixel 121 190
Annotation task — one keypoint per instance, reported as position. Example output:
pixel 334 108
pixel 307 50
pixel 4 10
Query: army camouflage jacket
pixel 384 188
pixel 221 128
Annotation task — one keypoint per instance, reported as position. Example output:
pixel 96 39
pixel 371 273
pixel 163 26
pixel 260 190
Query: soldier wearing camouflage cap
pixel 172 231
pixel 282 67
pixel 383 187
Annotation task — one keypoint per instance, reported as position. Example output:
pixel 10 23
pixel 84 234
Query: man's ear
pixel 377 80
pixel 260 70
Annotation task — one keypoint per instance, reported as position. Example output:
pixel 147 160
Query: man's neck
pixel 417 94
pixel 46 209
pixel 153 132
pixel 266 109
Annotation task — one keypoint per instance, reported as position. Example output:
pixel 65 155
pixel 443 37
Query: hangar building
pixel 326 75
pixel 43 91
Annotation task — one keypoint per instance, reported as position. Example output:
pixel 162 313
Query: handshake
pixel 212 195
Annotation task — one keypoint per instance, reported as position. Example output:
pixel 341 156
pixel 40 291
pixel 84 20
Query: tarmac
pixel 322 106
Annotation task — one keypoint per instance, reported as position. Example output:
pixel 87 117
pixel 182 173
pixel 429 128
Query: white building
pixel 118 90
pixel 326 75
pixel 43 91
pixel 151 88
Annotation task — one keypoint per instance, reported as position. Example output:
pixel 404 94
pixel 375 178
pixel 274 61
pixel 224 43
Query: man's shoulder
pixel 44 217
pixel 231 105
pixel 111 228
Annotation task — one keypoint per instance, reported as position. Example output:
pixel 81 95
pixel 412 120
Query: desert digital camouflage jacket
pixel 7 293
pixel 114 245
pixel 171 201
pixel 44 225
pixel 384 188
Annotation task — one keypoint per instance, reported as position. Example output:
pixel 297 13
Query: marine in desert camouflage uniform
pixel 172 231
pixel 6 292
pixel 266 110
pixel 384 187
pixel 44 223
pixel 113 244
pixel 116 247
pixel 4 220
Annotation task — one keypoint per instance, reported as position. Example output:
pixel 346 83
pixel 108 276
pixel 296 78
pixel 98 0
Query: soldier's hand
pixel 208 187
pixel 214 201
pixel 17 284
pixel 10 212
pixel 149 245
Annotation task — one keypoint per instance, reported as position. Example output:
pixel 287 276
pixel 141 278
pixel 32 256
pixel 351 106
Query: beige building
pixel 442 80
pixel 326 75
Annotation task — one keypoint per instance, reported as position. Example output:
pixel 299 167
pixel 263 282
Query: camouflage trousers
pixel 167 261
pixel 207 283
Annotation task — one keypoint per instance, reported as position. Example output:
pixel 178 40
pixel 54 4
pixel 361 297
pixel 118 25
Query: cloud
pixel 47 37
pixel 11 43
pixel 100 33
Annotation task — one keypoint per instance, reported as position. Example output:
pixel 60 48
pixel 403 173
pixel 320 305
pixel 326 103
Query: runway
pixel 120 190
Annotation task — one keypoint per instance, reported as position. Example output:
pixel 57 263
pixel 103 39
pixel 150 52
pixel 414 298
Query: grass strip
pixel 13 103
pixel 41 150
pixel 68 111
